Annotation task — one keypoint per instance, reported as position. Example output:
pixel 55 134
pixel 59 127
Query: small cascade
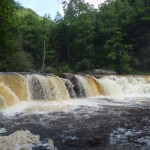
pixel 96 88
pixel 134 80
pixel 16 83
pixel 47 88
pixel 115 85
pixel 147 79
pixel 139 85
pixel 79 89
pixel 110 86
pixel 7 97
pixel 37 87
pixel 90 85
pixel 58 88
pixel 70 87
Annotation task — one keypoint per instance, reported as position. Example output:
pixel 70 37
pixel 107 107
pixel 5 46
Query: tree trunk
pixel 68 50
pixel 44 54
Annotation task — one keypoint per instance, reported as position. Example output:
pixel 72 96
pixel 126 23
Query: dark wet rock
pixel 78 87
pixel 1 125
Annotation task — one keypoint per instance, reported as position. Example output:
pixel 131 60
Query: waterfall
pixel 58 88
pixel 7 97
pixel 70 87
pixel 38 87
pixel 90 85
pixel 47 88
pixel 147 79
pixel 114 85
pixel 16 83
pixel 15 87
pixel 79 89
pixel 94 85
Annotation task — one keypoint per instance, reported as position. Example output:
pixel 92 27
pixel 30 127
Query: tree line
pixel 114 36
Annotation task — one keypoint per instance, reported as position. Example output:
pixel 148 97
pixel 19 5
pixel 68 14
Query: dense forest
pixel 115 36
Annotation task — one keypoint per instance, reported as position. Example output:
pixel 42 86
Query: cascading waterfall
pixel 58 89
pixel 114 85
pixel 147 79
pixel 47 88
pixel 70 87
pixel 80 90
pixel 16 83
pixel 7 97
pixel 38 87
pixel 96 88
pixel 15 87
pixel 91 86
pixel 110 86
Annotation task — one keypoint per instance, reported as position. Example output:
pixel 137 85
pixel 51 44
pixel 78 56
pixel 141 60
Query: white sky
pixel 43 7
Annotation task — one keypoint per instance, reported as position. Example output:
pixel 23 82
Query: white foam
pixel 115 85
pixel 43 107
pixel 2 130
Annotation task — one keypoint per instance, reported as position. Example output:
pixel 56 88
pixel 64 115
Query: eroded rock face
pixel 24 140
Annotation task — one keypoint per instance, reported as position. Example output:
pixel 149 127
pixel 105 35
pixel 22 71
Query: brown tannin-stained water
pixel 111 114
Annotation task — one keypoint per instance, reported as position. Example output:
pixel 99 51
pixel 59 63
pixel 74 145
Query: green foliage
pixel 7 9
pixel 34 32
pixel 21 61
pixel 119 53
pixel 65 68
pixel 114 36
pixel 50 70
pixel 83 65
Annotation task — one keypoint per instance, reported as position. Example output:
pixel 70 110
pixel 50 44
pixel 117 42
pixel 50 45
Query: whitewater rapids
pixel 110 112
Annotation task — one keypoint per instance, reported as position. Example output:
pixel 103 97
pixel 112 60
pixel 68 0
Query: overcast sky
pixel 49 6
